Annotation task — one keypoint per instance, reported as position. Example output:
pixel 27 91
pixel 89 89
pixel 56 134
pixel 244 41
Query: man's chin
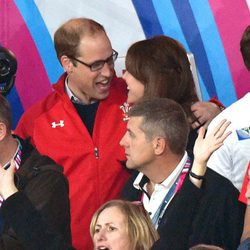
pixel 103 96
pixel 129 165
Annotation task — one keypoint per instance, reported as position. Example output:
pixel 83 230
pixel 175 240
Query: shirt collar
pixel 70 94
pixel 167 183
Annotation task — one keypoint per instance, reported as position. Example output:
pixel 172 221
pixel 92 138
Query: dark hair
pixel 166 118
pixel 162 66
pixel 68 36
pixel 5 113
pixel 245 47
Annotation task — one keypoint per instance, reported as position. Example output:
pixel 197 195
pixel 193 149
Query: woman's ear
pixel 67 64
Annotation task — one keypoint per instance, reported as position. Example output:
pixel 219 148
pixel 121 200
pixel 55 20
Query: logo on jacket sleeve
pixel 243 133
pixel 60 124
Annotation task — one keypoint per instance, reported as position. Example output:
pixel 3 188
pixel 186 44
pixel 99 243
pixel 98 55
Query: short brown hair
pixel 139 226
pixel 163 117
pixel 162 66
pixel 68 36
pixel 5 113
pixel 245 47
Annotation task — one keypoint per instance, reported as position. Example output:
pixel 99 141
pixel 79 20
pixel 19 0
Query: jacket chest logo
pixel 60 124
pixel 243 133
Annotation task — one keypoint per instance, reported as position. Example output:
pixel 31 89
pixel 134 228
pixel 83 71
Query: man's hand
pixel 204 113
pixel 7 185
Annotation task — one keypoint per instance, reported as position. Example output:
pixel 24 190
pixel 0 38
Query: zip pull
pixel 96 153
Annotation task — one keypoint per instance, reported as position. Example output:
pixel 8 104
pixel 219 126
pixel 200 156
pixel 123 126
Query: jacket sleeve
pixel 219 218
pixel 233 220
pixel 46 223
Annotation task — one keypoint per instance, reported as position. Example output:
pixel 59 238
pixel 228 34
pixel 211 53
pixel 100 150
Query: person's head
pixel 159 67
pixel 205 247
pixel 5 117
pixel 122 225
pixel 245 47
pixel 156 128
pixel 85 52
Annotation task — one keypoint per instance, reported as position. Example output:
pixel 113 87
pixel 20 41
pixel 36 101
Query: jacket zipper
pixel 96 152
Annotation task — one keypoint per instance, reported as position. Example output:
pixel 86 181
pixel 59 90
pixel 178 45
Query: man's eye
pixel 97 64
pixel 131 135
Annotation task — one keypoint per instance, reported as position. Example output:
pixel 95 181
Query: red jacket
pixel 57 130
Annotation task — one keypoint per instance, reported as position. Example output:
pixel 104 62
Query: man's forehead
pixel 97 47
pixel 134 122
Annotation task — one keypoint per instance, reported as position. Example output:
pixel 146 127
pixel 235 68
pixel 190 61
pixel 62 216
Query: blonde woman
pixel 122 225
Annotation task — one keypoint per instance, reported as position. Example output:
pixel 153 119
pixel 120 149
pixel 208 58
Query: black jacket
pixel 37 217
pixel 210 215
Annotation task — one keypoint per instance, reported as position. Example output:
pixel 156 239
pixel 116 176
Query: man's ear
pixel 159 145
pixel 67 64
pixel 3 131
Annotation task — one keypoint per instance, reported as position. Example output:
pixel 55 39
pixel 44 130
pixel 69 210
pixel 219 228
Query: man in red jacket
pixel 80 124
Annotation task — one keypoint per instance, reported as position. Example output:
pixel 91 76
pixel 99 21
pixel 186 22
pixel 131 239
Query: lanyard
pixel 170 194
pixel 16 157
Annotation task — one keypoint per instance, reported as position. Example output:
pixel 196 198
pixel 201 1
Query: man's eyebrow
pixel 130 131
pixel 98 61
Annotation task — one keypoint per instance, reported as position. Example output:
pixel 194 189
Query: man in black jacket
pixel 187 207
pixel 34 203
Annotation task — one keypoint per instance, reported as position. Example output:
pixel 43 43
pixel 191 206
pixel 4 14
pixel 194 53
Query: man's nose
pixel 107 70
pixel 123 141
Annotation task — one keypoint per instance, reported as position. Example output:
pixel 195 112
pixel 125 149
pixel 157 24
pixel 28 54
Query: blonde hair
pixel 141 231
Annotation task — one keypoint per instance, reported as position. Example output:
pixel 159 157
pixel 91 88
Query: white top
pixel 160 190
pixel 231 160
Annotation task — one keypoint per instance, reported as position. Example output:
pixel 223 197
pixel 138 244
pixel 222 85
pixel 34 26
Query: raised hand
pixel 205 146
